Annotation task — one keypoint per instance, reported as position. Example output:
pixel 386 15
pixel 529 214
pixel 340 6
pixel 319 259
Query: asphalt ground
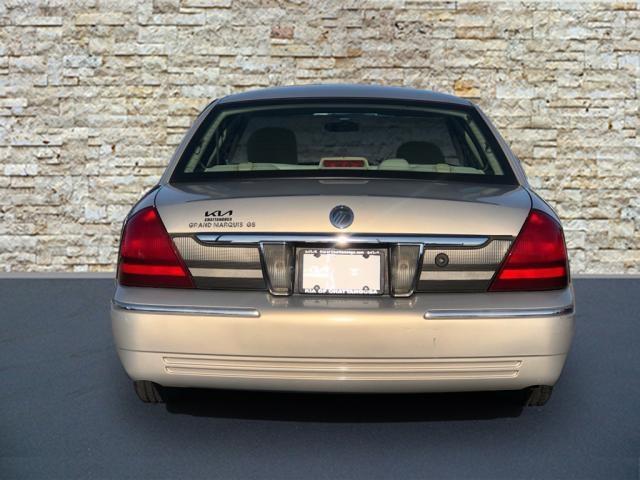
pixel 68 410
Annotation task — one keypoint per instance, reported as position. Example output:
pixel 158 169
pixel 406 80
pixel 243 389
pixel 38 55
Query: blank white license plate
pixel 341 272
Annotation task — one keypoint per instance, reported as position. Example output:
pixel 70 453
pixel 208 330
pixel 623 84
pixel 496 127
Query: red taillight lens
pixel 147 255
pixel 538 257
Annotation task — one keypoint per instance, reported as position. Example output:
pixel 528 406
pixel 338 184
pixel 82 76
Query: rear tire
pixel 538 396
pixel 148 392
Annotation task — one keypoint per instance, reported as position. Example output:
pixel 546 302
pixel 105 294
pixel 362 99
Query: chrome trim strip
pixel 226 272
pixel 192 310
pixel 427 275
pixel 342 239
pixel 498 313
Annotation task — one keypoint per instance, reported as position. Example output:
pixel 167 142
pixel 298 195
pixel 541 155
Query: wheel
pixel 537 396
pixel 148 392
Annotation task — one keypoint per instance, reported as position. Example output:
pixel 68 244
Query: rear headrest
pixel 425 153
pixel 272 145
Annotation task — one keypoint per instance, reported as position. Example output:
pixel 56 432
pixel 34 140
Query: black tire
pixel 148 392
pixel 538 396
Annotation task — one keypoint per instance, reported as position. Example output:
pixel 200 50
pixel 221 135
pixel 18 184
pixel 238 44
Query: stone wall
pixel 95 95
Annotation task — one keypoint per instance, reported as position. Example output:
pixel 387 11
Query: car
pixel 343 238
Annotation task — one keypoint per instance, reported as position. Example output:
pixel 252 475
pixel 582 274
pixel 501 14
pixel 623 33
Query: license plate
pixel 327 271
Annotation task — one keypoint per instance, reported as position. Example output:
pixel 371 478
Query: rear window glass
pixel 368 140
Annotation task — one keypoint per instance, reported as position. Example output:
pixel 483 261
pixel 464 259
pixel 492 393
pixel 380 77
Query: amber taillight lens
pixel 538 258
pixel 148 257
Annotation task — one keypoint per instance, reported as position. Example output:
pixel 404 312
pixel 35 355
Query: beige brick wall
pixel 95 95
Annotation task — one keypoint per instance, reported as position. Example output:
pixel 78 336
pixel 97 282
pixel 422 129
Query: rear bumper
pixel 251 340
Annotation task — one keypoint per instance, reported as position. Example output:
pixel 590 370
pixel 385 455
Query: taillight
pixel 147 254
pixel 538 258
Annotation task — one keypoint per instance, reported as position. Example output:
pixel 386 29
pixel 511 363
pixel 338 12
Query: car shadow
pixel 346 408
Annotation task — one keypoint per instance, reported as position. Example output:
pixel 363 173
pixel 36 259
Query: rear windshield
pixel 362 140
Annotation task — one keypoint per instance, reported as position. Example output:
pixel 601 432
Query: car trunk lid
pixel 433 236
pixel 379 207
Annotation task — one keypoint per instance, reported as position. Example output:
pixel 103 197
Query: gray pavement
pixel 67 409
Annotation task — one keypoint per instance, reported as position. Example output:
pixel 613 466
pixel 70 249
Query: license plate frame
pixel 350 257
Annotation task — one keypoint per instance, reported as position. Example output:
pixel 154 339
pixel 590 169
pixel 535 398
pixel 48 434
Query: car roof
pixel 344 91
